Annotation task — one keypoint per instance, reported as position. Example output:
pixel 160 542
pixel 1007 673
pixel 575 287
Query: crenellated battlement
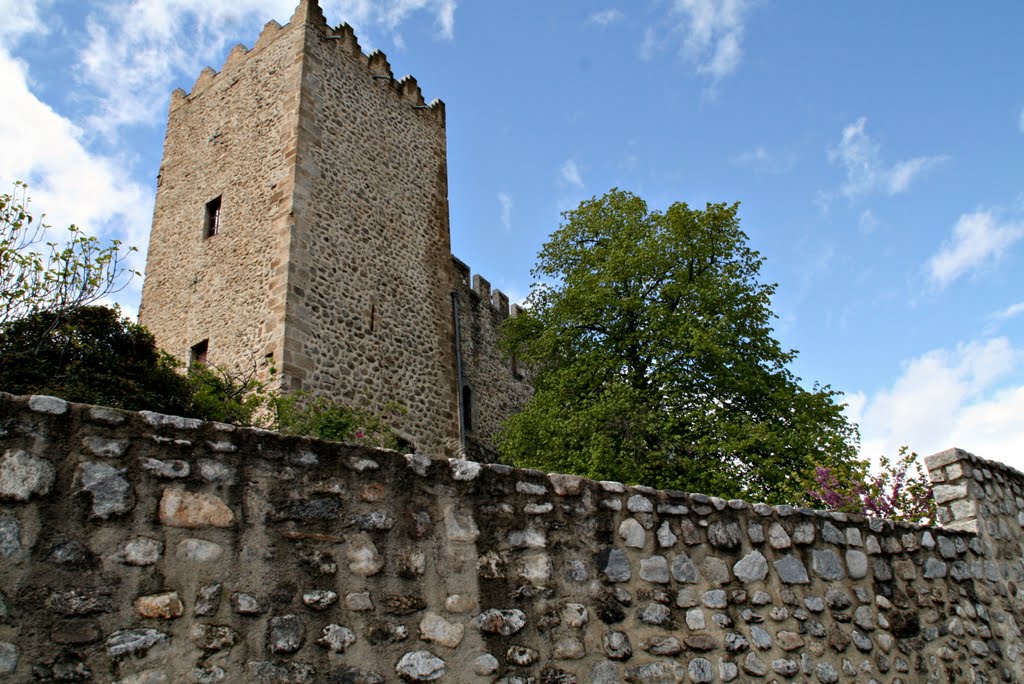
pixel 477 284
pixel 343 38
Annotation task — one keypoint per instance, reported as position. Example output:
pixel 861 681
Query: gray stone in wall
pixel 654 569
pixel 803 533
pixel 666 539
pixel 777 537
pixel 724 535
pixel 934 568
pixel 130 641
pixel 420 666
pixel 701 670
pixel 617 646
pixel 751 568
pixel 791 570
pixel 503 622
pixel 286 634
pixel 632 533
pixel 8 658
pixel 827 564
pixel 715 570
pixel 856 563
pixel 111 493
pixel 23 476
pixel 727 671
pixel 615 565
pixel 10 536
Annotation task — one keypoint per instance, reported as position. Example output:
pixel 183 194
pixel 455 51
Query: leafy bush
pixel 301 413
pixel 90 355
pixel 899 490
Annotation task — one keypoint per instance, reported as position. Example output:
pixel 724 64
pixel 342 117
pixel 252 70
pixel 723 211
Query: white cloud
pixel 964 397
pixel 712 33
pixel 67 181
pixel 1009 312
pixel 21 17
pixel 861 158
pixel 978 240
pixel 506 210
pixel 571 173
pixel 606 17
pixel 137 50
pixel 867 222
pixel 761 160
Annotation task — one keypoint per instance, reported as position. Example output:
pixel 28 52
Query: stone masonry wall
pixel 498 387
pixel 228 288
pixel 136 547
pixel 369 315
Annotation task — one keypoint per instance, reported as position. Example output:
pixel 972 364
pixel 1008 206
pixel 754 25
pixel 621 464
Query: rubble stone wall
pixel 136 547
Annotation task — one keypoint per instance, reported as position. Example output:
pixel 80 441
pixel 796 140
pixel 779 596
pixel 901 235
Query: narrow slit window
pixel 467 408
pixel 198 353
pixel 211 222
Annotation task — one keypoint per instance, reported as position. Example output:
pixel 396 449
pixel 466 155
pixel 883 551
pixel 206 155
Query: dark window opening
pixel 211 223
pixel 467 408
pixel 198 353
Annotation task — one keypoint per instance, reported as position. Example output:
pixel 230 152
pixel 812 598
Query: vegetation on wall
pixel 651 341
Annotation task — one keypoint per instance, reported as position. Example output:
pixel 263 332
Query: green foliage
pixel 654 360
pixel 224 397
pixel 301 413
pixel 37 276
pixel 90 355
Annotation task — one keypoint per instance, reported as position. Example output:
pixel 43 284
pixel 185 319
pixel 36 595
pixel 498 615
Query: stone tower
pixel 301 221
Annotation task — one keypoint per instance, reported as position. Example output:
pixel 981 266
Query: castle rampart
pixel 136 547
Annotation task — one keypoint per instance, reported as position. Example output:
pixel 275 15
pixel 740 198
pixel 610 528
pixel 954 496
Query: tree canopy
pixel 650 339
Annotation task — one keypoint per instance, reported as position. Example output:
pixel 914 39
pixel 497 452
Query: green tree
pixel 651 342
pixel 92 355
pixel 39 276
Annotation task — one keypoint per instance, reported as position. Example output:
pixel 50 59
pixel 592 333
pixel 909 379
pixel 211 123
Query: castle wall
pixel 136 547
pixel 498 386
pixel 369 314
pixel 233 136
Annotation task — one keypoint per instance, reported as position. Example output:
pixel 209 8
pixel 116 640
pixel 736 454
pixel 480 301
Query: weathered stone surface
pixel 363 558
pixel 656 614
pixel 632 533
pixel 662 645
pixel 503 622
pixel 785 667
pixel 212 637
pixel 436 629
pixel 193 510
pixel 84 601
pixel 701 670
pixel 464 470
pixel 617 645
pixel 568 648
pixel 459 526
pixel 166 606
pixel 760 638
pixel 654 569
pixel 715 570
pixel 286 634
pixel 23 476
pixel 575 615
pixel 111 493
pixel 8 658
pixel 753 666
pixel 10 536
pixel 827 565
pixel 715 598
pixel 104 447
pixel 485 664
pixel 336 638
pixel 724 535
pixel 169 470
pixel 319 599
pixel 246 604
pixel 751 568
pixel 208 599
pixel 522 656
pixel 131 641
pixel 615 565
pixel 791 570
pixel 140 551
pixel 420 666
pixel 216 471
pixel 934 568
pixel 666 539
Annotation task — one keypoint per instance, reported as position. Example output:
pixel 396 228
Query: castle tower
pixel 301 220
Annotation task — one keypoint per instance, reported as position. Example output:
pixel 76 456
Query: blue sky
pixel 877 150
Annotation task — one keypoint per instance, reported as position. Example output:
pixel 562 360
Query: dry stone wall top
pixel 136 547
